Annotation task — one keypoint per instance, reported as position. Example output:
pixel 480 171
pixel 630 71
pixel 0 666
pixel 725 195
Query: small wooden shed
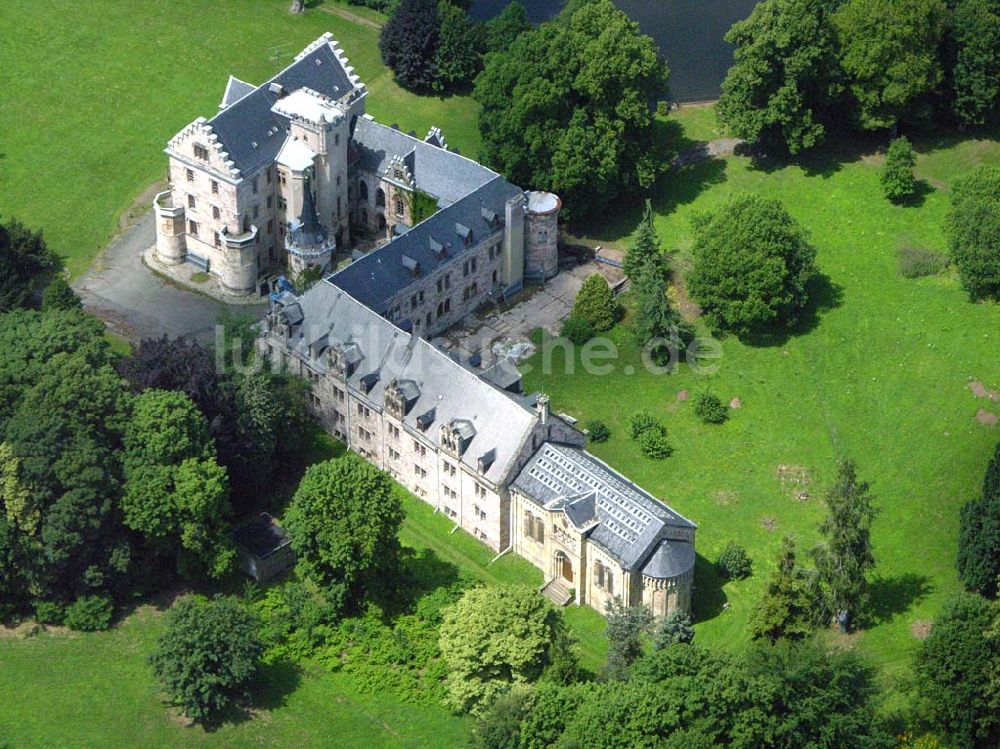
pixel 265 551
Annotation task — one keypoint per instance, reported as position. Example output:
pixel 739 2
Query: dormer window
pixel 465 233
pixel 456 436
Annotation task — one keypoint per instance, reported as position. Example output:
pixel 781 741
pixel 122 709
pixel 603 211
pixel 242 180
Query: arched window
pixel 363 190
pixel 380 198
pixel 529 525
pixel 399 206
pixel 540 530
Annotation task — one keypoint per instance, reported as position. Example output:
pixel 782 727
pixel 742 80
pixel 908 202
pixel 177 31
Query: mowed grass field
pixel 95 690
pixel 880 372
pixel 93 89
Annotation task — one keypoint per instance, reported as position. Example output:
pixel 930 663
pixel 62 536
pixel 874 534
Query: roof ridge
pixel 415 139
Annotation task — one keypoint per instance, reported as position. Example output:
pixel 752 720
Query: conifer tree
pixel 845 556
pixel 645 255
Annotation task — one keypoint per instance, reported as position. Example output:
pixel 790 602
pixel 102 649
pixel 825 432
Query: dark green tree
pixel 976 31
pixel 973 230
pixel 954 666
pixel 674 629
pixel 898 183
pixel 595 303
pixel 208 656
pixel 566 108
pixel 176 494
pixel 845 557
pixel 892 64
pixel 458 58
pixel 625 628
pixel 785 85
pixel 979 535
pixel 344 526
pixel 59 295
pixel 502 30
pixel 644 256
pixel 710 409
pixel 25 260
pixel 409 43
pixel 62 441
pixel 785 612
pixel 734 563
pixel 752 266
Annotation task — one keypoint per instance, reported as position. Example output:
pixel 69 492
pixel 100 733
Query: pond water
pixel 689 32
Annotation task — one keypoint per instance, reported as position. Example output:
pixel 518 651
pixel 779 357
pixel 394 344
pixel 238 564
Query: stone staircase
pixel 557 591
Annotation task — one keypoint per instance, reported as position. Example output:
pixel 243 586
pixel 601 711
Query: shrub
pixel 734 562
pixel 499 725
pixel 752 266
pixel 208 655
pixel 577 330
pixel 641 421
pixel 59 295
pixel 598 431
pixel 973 230
pixel 595 303
pixel 50 612
pixel 710 408
pixel 897 174
pixel 917 262
pixel 90 613
pixel 654 444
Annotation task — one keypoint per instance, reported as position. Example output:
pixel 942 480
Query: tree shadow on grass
pixel 708 600
pixel 274 683
pixel 423 573
pixel 895 595
pixel 921 189
pixel 824 296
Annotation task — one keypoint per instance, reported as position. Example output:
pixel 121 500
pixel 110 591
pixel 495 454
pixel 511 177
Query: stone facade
pixel 494 462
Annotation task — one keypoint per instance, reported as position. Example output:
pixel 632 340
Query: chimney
pixel 542 404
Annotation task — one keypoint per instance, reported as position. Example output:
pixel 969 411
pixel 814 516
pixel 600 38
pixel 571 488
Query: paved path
pixel 137 304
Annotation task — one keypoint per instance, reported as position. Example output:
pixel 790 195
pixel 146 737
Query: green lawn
pixel 95 691
pixel 93 89
pixel 881 374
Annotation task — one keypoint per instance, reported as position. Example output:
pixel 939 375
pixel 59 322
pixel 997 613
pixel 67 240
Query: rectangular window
pixel 393 455
pixel 190 175
pixel 270 200
pixel 215 187
pixel 193 228
pixel 267 172
pixel 215 239
pixel 338 180
pixel 256 211
pixel 200 152
pixel 255 185
pixel 216 213
pixel 190 201
pixel 270 226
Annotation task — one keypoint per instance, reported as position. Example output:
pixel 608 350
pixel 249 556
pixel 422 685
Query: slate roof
pixel 380 275
pixel 446 175
pixel 447 391
pixel 630 522
pixel 235 90
pixel 262 536
pixel 671 559
pixel 251 133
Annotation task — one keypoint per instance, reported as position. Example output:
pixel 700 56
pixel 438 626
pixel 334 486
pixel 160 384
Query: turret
pixel 541 257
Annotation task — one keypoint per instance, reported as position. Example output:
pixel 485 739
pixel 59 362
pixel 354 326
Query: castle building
pixel 292 174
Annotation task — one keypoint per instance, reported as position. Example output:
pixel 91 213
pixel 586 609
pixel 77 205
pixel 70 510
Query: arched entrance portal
pixel 564 568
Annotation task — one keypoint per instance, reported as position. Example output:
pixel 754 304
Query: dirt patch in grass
pixel 987 418
pixel 921 628
pixel 726 498
pixel 736 404
pixel 768 522
pixel 981 391
pixel 795 480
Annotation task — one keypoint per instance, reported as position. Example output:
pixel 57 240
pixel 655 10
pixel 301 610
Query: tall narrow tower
pixel 541 255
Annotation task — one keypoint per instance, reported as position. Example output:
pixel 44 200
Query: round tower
pixel 541 245
pixel 171 247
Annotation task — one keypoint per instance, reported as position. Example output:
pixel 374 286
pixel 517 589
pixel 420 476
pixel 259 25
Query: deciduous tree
pixel 499 636
pixel 785 84
pixel 896 176
pixel 458 58
pixel 979 535
pixel 344 526
pixel 566 108
pixel 208 656
pixel 25 260
pixel 976 31
pixel 954 667
pixel 752 266
pixel 409 42
pixel 973 229
pixel 890 52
